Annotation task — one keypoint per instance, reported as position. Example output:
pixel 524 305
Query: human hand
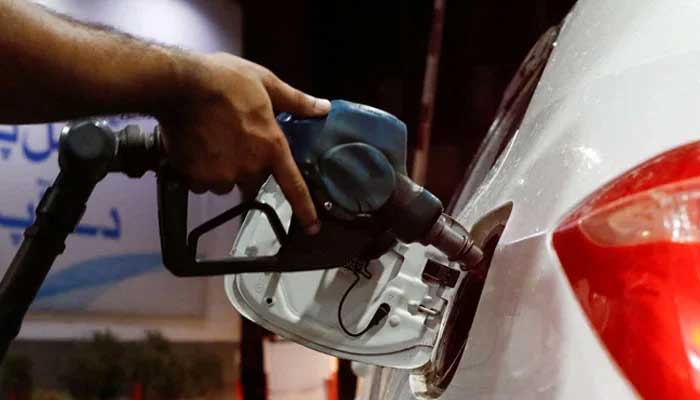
pixel 225 132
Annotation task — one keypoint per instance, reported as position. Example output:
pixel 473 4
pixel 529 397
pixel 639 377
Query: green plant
pixel 204 374
pixel 155 366
pixel 50 395
pixel 96 369
pixel 16 376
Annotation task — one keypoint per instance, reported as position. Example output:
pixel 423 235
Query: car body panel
pixel 621 86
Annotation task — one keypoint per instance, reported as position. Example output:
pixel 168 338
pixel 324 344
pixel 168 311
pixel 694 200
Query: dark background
pixel 374 52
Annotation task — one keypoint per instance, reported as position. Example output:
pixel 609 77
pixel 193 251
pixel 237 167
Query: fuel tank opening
pixel 432 380
pixel 460 320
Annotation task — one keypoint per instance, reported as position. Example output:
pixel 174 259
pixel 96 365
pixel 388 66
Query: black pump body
pixel 354 162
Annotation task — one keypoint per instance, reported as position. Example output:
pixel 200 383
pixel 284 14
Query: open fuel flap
pixel 388 311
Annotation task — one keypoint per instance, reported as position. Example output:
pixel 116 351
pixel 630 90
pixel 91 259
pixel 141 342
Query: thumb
pixel 288 99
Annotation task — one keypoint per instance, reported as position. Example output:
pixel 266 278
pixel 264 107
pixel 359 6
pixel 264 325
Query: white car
pixel 585 197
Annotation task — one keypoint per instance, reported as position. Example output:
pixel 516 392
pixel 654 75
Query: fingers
pixel 223 188
pixel 291 100
pixel 199 186
pixel 292 183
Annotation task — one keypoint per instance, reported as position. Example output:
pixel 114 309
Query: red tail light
pixel 631 252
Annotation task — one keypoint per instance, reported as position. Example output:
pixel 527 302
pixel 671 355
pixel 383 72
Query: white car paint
pixel 621 86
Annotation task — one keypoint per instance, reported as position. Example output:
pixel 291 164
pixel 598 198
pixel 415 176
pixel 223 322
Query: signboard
pixel 112 262
pixel 112 265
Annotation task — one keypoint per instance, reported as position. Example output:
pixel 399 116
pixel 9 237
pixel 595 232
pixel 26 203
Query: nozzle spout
pixel 448 236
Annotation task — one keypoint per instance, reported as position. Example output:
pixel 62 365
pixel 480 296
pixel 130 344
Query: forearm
pixel 53 68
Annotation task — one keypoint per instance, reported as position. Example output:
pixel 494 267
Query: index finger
pixel 294 187
pixel 286 98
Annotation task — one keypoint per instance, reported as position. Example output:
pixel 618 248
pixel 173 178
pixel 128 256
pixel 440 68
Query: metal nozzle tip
pixel 452 239
pixel 471 257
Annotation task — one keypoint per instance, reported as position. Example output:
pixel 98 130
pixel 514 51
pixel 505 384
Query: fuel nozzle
pixel 354 162
pixel 448 236
pixel 416 215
